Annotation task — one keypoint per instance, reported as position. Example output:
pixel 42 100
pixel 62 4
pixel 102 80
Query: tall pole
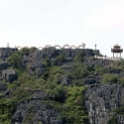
pixel 8 45
pixel 95 46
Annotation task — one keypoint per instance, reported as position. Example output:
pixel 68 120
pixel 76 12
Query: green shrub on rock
pixel 7 108
pixel 79 57
pixel 74 108
pixel 15 59
pixel 79 72
pixel 110 78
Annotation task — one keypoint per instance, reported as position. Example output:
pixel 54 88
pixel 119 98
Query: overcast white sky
pixel 42 22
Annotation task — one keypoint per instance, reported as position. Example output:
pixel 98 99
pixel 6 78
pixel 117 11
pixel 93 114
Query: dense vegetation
pixel 69 100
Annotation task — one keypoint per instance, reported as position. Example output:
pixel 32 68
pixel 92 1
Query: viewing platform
pixel 116 50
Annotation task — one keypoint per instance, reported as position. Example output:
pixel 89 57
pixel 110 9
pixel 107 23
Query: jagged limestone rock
pixel 65 80
pixel 39 71
pixel 91 79
pixel 4 65
pixel 9 75
pixel 6 52
pixel 3 87
pixel 36 111
pixel 101 100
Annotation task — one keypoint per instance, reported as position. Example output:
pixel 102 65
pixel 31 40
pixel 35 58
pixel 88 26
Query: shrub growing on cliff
pixel 15 59
pixel 100 70
pixel 74 106
pixel 113 119
pixel 58 94
pixel 32 49
pixel 59 59
pixel 47 62
pixel 79 57
pixel 25 51
pixel 7 108
pixel 110 78
pixel 79 71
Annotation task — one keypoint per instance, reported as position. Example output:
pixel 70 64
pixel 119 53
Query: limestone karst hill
pixel 60 86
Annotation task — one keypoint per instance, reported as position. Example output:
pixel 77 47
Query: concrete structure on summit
pixel 116 50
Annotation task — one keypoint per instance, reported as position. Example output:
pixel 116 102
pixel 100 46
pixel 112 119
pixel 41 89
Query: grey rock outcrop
pixel 72 52
pixel 25 60
pixel 50 52
pixel 6 52
pixel 101 100
pixel 30 72
pixel 67 67
pixel 39 71
pixel 40 55
pixel 33 65
pixel 7 93
pixel 36 111
pixel 91 79
pixel 36 67
pixel 3 87
pixel 97 62
pixel 37 55
pixel 120 119
pixel 65 80
pixel 9 75
pixel 36 58
pixel 4 65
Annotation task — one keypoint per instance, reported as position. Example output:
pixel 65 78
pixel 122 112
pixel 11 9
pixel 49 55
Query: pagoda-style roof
pixel 117 49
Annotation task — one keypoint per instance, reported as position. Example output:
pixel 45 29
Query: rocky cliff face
pixel 101 100
pixel 34 111
pixel 38 87
pixel 6 52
